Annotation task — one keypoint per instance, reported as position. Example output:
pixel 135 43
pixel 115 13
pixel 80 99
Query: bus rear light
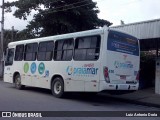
pixel 106 74
pixel 137 76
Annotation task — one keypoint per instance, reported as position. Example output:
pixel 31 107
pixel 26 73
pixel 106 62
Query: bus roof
pixel 63 36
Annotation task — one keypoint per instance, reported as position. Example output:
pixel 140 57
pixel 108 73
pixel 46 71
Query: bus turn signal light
pixel 106 74
pixel 137 77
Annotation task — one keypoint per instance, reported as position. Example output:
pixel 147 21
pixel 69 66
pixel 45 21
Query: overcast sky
pixel 129 11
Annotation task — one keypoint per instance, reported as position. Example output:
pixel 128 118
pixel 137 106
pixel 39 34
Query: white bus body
pixel 109 61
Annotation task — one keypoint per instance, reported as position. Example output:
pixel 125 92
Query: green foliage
pixel 58 16
pixel 147 69
pixel 7 37
pixel 146 56
pixel 17 35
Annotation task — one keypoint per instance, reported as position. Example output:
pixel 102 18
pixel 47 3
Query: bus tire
pixel 18 84
pixel 58 87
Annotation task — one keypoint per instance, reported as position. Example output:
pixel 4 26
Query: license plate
pixel 122 87
pixel 123 77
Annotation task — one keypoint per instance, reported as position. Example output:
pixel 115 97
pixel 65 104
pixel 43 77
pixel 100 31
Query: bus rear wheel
pixel 18 84
pixel 58 87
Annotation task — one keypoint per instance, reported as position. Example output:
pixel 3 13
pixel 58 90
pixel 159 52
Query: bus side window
pixel 19 53
pixel 45 51
pixel 63 50
pixel 87 48
pixel 10 56
pixel 30 51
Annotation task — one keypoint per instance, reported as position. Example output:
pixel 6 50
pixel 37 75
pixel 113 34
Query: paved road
pixel 36 99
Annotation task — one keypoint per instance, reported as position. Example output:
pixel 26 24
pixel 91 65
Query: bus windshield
pixel 124 43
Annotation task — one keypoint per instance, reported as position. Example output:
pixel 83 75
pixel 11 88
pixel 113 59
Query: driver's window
pixel 10 56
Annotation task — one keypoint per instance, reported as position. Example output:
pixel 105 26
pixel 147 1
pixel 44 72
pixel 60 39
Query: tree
pixel 8 37
pixel 17 35
pixel 58 16
pixel 23 35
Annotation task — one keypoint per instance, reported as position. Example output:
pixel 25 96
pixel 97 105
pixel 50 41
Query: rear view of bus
pixel 121 65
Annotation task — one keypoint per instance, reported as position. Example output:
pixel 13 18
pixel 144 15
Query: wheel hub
pixel 57 87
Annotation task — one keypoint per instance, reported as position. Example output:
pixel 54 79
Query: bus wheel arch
pixel 57 86
pixel 14 75
pixel 17 81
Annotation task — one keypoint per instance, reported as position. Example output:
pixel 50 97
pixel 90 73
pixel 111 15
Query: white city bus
pixel 89 61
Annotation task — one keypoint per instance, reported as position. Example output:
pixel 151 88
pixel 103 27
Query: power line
pixel 127 3
pixel 70 4
pixel 65 9
pixel 59 6
pixel 53 2
pixel 55 9
pixel 75 4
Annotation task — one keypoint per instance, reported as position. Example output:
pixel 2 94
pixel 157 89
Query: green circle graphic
pixel 41 68
pixel 26 67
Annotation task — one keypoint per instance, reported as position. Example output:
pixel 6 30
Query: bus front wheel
pixel 18 84
pixel 58 87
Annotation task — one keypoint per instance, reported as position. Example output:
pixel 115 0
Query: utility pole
pixel 2 30
pixel 2 34
pixel 12 34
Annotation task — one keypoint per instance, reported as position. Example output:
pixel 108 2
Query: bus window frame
pixel 19 52
pixel 33 52
pixel 46 51
pixel 62 49
pixel 98 38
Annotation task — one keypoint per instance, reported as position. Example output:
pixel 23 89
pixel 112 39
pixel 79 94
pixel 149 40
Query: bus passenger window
pixel 10 56
pixel 45 51
pixel 63 50
pixel 30 52
pixel 19 53
pixel 87 48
